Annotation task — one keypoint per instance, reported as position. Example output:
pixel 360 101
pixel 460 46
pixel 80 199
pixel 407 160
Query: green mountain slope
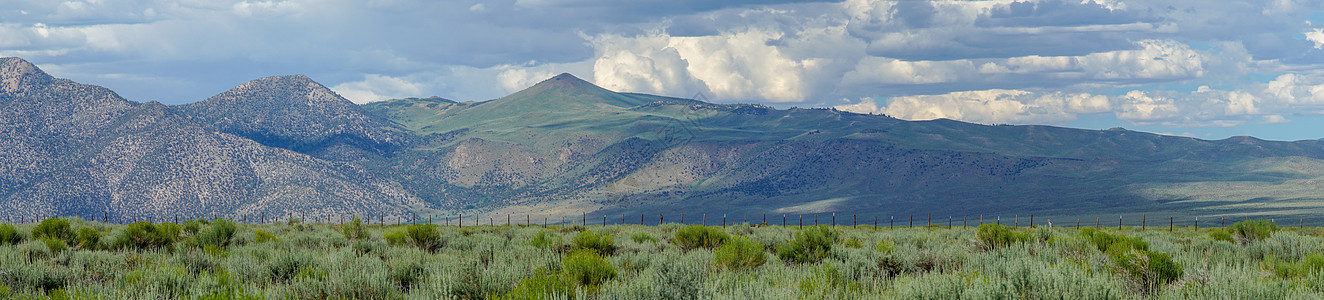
pixel 567 146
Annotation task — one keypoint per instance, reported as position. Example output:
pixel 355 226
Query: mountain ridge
pixel 284 144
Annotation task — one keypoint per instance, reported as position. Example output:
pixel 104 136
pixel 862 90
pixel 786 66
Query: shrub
pixel 995 236
pixel 600 242
pixel 809 245
pixel 191 227
pixel 585 267
pixel 218 234
pixel 1148 268
pixel 696 236
pixel 286 266
pixel 142 236
pixel 1309 265
pixel 55 228
pixel 544 240
pixel 407 276
pixel 56 245
pixel 263 236
pixel 355 230
pixel 885 246
pixel 853 243
pixel 1113 243
pixel 641 237
pixel 541 287
pixel 87 239
pixel 9 235
pixel 174 231
pixel 396 237
pixel 1221 235
pixel 740 253
pixel 424 236
pixel 1254 230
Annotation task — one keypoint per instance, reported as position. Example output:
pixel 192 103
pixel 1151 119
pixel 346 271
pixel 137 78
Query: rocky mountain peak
pixel 17 75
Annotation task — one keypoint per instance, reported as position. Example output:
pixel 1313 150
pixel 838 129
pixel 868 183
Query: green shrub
pixel 9 235
pixel 407 276
pixel 174 231
pixel 1148 268
pixel 1221 235
pixel 396 237
pixel 696 236
pixel 740 253
pixel 853 243
pixel 885 246
pixel 810 245
pixel 642 237
pixel 191 227
pixel 541 287
pixel 1308 266
pixel 55 228
pixel 544 240
pixel 88 239
pixel 355 230
pixel 285 266
pixel 995 236
pixel 142 236
pixel 600 242
pixel 263 236
pixel 1112 243
pixel 56 245
pixel 424 236
pixel 1254 230
pixel 218 234
pixel 585 267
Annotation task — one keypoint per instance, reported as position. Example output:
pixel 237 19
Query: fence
pixel 645 219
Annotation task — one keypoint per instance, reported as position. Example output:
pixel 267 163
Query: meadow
pixel 72 258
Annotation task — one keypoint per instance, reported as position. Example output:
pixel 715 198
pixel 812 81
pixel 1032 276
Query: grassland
pixel 78 259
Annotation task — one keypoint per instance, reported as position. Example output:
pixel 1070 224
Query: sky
pixel 1176 67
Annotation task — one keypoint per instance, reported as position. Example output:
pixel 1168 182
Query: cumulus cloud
pixel 375 87
pixel 988 106
pixel 1173 63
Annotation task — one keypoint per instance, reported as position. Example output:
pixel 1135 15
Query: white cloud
pixel 1316 36
pixel 988 106
pixel 375 88
pixel 477 7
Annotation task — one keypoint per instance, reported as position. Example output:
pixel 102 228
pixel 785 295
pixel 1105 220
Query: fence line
pixel 459 220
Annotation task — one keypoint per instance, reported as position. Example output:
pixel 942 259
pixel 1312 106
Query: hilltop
pixel 565 146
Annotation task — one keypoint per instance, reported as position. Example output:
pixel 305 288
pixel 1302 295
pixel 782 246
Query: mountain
pixel 74 149
pixel 564 146
pixel 296 113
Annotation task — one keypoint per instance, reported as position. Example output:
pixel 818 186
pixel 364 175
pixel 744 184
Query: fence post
pixel 802 221
pixel 1031 220
pixel 1016 220
pixel 852 221
pixel 815 219
pixel 912 221
pixel 949 222
pixel 723 220
pixel 1119 222
pixel 1170 224
pixel 461 220
pixel 1142 222
pixel 1197 223
pixel 660 219
pixel 981 219
pixel 641 219
pixel 834 219
pixel 964 220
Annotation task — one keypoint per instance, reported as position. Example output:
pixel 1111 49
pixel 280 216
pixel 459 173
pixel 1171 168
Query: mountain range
pixel 565 147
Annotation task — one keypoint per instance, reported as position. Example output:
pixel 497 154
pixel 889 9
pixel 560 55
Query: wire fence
pixel 1142 220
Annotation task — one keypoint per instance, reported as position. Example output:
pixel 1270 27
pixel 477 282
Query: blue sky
pixel 1175 67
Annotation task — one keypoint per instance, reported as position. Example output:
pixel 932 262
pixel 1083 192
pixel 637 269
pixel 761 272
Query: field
pixel 77 259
